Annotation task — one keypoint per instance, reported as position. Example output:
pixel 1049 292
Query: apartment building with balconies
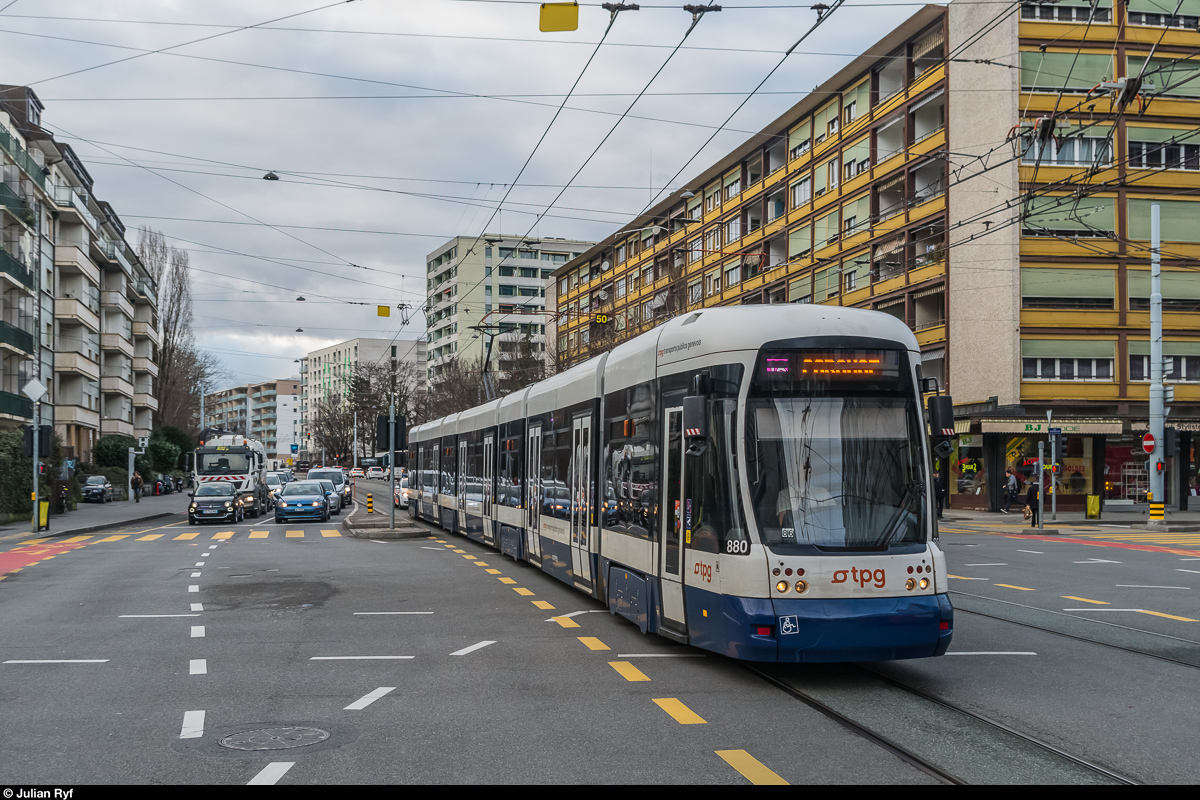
pixel 985 175
pixel 268 411
pixel 494 281
pixel 74 292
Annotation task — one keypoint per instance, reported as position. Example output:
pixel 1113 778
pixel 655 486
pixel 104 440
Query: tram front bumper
pixel 811 630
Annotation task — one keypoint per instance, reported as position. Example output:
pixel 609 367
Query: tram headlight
pixel 910 584
pixel 801 587
pixel 924 583
pixel 782 587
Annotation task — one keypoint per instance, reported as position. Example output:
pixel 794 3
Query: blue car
pixel 302 500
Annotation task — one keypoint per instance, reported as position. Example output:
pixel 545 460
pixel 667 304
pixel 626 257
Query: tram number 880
pixel 737 547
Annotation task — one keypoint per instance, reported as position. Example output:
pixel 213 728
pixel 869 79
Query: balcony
pixel 116 341
pixel 119 427
pixel 10 145
pixel 68 309
pixel 146 292
pixel 115 384
pixel 16 205
pixel 77 363
pixel 76 415
pixel 114 251
pixel 71 259
pixel 15 406
pixel 117 300
pixel 14 269
pixel 69 200
pixel 145 400
pixel 14 339
pixel 145 365
pixel 147 330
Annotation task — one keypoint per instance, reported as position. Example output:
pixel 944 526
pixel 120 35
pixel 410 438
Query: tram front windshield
pixel 833 449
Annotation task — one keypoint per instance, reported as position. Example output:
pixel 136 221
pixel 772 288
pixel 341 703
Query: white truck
pixel 240 461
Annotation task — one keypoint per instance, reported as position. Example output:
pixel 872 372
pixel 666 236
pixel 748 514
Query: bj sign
pixel 1148 443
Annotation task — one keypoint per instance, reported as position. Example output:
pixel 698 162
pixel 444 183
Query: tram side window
pixel 510 472
pixel 472 470
pixel 717 519
pixel 449 465
pixel 556 467
pixel 630 461
pixel 429 454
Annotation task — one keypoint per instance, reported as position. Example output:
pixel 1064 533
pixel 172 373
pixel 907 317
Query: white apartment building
pixel 328 371
pixel 272 407
pixel 496 281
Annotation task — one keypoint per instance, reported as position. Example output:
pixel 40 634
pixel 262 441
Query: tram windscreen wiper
pixel 913 492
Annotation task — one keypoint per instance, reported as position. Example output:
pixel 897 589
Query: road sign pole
pixel 392 459
pixel 37 440
pixel 1157 417
pixel 1041 485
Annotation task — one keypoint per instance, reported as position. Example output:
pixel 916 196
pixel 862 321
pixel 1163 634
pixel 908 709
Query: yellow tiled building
pixel 985 174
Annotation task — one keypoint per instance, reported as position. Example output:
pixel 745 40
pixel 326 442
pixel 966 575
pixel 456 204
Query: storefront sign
pixel 1033 427
pixel 1179 425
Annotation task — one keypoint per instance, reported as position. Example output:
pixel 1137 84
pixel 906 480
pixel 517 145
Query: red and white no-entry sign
pixel 1148 443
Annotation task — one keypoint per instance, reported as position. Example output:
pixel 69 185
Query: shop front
pixel 1182 473
pixel 979 463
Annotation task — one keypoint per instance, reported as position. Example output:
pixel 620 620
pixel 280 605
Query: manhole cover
pixel 281 738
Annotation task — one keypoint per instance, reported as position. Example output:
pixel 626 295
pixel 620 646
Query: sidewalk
pixel 1111 515
pixel 89 517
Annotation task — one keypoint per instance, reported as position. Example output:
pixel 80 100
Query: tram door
pixel 488 488
pixel 671 522
pixel 463 485
pixel 533 494
pixel 581 499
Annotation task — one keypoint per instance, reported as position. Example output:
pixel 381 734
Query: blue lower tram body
pixel 866 629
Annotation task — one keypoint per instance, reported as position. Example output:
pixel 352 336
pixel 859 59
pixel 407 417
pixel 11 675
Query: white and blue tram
pixel 754 481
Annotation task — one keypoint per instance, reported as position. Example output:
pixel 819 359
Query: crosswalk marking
pixel 186 536
pixel 295 534
pixel 76 539
pixel 151 537
pixel 259 534
pixel 114 538
pixel 330 534
pixel 223 535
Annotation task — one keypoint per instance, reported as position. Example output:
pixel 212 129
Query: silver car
pixel 335 499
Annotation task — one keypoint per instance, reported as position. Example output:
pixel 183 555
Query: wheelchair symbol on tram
pixel 789 625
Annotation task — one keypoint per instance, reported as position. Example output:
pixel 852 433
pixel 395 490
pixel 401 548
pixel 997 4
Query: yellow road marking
pixel 592 643
pixel 186 536
pixel 566 622
pixel 113 538
pixel 259 534
pixel 449 545
pixel 330 534
pixel 492 571
pixel 47 558
pixel 543 605
pixel 75 539
pixel 751 768
pixel 33 541
pixel 1010 586
pixel 459 551
pixel 679 712
pixel 964 578
pixel 295 535
pixel 481 563
pixel 151 537
pixel 506 580
pixel 1085 600
pixel 628 671
pixel 468 555
pixel 1168 616
pixel 223 535
pixel 522 592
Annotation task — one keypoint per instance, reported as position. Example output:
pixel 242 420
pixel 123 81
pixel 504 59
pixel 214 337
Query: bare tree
pixel 458 386
pixel 184 371
pixel 333 425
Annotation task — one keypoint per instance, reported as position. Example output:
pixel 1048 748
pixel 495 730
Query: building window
pixel 620 288
pixel 1078 13
pixel 1066 369
pixel 801 192
pixel 733 274
pixel 695 292
pixel 1163 155
pixel 1176 369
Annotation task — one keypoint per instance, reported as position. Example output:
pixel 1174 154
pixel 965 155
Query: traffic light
pixel 1169 442
pixel 381 434
pixel 45 440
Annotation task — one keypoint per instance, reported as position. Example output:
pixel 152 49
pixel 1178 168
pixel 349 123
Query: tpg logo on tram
pixel 861 576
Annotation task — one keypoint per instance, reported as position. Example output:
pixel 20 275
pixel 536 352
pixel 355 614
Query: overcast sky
pixel 370 112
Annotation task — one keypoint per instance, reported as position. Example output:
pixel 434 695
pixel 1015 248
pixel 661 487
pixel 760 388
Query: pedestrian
pixel 1031 504
pixel 1011 489
pixel 136 486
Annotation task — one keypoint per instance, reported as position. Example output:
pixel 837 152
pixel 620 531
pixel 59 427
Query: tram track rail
pixel 953 744
pixel 1172 649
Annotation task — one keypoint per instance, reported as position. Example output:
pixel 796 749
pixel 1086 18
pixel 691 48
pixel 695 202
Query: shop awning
pixel 1034 426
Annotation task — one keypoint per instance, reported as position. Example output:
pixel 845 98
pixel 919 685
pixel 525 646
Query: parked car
pixel 302 500
pixel 98 488
pixel 215 501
